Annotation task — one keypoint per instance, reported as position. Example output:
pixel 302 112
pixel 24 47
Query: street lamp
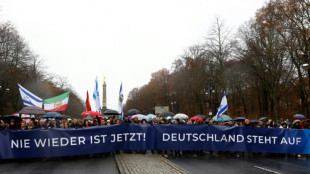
pixel 210 91
pixel 172 103
pixel 305 65
pixel 4 87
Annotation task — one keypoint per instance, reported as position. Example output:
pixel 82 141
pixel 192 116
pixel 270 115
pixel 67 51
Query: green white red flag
pixel 88 107
pixel 58 103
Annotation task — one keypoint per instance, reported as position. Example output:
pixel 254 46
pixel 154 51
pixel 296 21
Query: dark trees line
pixel 259 67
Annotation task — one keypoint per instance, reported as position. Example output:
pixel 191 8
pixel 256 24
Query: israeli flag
pixel 223 106
pixel 96 96
pixel 28 98
pixel 120 100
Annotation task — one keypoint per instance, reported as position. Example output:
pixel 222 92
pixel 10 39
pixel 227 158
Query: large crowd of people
pixel 114 120
pixel 104 121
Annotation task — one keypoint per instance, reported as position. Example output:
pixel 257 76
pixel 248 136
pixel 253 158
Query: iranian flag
pixel 58 103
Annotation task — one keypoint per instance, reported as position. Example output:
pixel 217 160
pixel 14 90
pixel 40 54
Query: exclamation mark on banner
pixel 143 136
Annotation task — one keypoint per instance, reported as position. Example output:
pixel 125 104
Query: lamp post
pixel 172 103
pixel 4 87
pixel 209 92
pixel 306 65
pixel 172 95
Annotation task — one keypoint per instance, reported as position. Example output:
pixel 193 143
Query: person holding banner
pixel 23 126
pixel 135 120
pixel 13 125
pixel 30 125
pixel 41 125
pixel 2 125
pixel 177 153
pixel 126 120
pixel 164 152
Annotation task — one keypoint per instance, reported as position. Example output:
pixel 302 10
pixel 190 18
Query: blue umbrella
pixel 222 118
pixel 151 116
pixel 300 116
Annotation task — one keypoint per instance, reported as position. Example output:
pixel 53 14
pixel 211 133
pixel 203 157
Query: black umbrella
pixel 263 119
pixel 53 114
pixel 202 116
pixel 254 121
pixel 65 116
pixel 166 114
pixel 132 112
pixel 111 112
pixel 32 110
pixel 239 119
pixel 56 117
pixel 8 118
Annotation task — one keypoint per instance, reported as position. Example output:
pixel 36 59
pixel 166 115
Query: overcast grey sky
pixel 124 40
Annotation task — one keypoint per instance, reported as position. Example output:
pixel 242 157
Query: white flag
pixel 96 96
pixel 223 106
pixel 28 98
pixel 120 100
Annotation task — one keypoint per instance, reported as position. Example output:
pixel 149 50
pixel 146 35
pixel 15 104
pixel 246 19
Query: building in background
pixel 161 109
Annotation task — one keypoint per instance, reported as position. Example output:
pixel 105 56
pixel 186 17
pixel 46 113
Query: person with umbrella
pixel 102 122
pixel 86 123
pixel 135 120
pixel 13 126
pixel 2 125
pixel 30 125
pixel 260 124
pixel 41 125
pixel 53 124
pixel 296 124
pixel 177 153
pixel 74 124
pixel 153 121
pixel 66 125
pixel 284 125
pixel 246 123
pixel 272 124
pixel 279 125
pixel 23 126
pixel 117 121
pixel 229 124
pixel 189 121
pixel 164 152
pixel 126 120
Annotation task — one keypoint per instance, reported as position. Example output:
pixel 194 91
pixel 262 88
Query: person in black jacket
pixel 53 124
pixel 2 125
pixel 41 125
pixel 13 125
pixel 126 120
pixel 23 126
pixel 75 124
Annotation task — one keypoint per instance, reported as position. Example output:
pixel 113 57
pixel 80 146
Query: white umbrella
pixel 141 117
pixel 180 116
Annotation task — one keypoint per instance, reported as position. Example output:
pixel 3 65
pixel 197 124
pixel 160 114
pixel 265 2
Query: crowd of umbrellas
pixel 90 115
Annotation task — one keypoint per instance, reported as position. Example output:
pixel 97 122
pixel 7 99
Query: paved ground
pixel 140 163
pixel 231 165
pixel 72 165
pixel 146 163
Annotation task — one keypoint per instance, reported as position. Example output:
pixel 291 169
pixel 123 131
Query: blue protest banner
pixel 67 142
pixel 220 138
